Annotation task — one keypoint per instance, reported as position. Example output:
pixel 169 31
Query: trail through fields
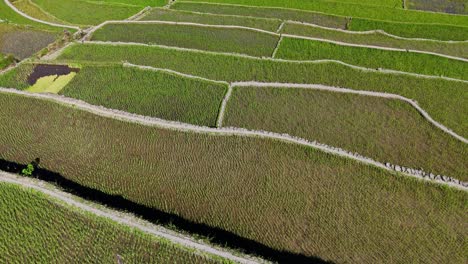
pixel 119 217
pixel 38 20
pixel 177 126
pixel 386 71
pixel 274 34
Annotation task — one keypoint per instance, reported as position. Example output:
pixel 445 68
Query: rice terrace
pixel 234 131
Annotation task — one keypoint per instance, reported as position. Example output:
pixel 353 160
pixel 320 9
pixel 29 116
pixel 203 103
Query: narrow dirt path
pixel 120 217
pixel 340 43
pixel 7 2
pixel 177 126
pixel 386 71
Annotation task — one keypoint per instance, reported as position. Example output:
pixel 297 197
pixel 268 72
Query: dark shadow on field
pixel 217 236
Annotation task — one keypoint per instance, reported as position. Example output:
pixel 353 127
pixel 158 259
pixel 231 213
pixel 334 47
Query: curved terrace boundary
pixel 271 33
pixel 386 71
pixel 183 127
pixel 119 217
pixel 305 86
pixel 38 20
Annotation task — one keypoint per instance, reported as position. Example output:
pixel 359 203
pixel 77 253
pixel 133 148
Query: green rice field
pixel 457 49
pixel 37 228
pixel 302 49
pixel 211 19
pixel 267 191
pixel 93 12
pixel 384 129
pixel 232 40
pixel 354 9
pixel 435 29
pixel 434 95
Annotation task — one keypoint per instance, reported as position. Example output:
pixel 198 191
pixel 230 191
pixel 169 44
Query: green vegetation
pixel 38 228
pixel 17 78
pixel 51 84
pixel 444 100
pixel 301 49
pixel 386 130
pixel 204 38
pixel 22 41
pixel 412 30
pixel 185 16
pixel 388 3
pixel 353 10
pixel 91 12
pixel 272 13
pixel 378 39
pixel 149 93
pixel 9 16
pixel 268 191
pixel 28 7
pixel 448 6
pixel 415 30
pixel 6 60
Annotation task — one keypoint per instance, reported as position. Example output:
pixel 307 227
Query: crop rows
pixel 444 100
pixel 267 191
pixel 36 228
pixel 304 49
pixel 415 29
pixel 162 14
pixel 457 49
pixel 232 40
pixel 386 130
pixel 354 9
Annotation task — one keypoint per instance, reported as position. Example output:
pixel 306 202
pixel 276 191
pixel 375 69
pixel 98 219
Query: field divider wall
pixel 222 109
pixel 7 2
pixel 378 31
pixel 126 219
pixel 277 47
pixel 140 14
pixel 278 35
pixel 232 131
pixel 380 70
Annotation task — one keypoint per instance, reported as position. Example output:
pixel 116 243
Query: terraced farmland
pixel 245 131
pixel 309 193
pixel 37 227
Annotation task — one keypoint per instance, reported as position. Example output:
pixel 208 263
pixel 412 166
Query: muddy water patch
pixel 44 70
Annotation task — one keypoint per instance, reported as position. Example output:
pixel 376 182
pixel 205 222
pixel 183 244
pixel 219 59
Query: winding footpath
pixel 239 55
pixel 340 43
pixel 121 218
pixel 183 127
pixel 301 86
pixel 7 2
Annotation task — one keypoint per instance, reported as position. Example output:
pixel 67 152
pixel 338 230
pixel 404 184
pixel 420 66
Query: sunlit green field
pixel 38 228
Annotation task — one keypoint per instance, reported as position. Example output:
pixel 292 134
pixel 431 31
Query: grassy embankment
pixel 269 24
pixel 28 7
pixel 301 49
pixel 232 40
pixel 457 49
pixel 38 228
pixel 267 191
pixel 93 12
pixel 384 129
pixel 443 100
pixel 429 30
pixel 143 92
